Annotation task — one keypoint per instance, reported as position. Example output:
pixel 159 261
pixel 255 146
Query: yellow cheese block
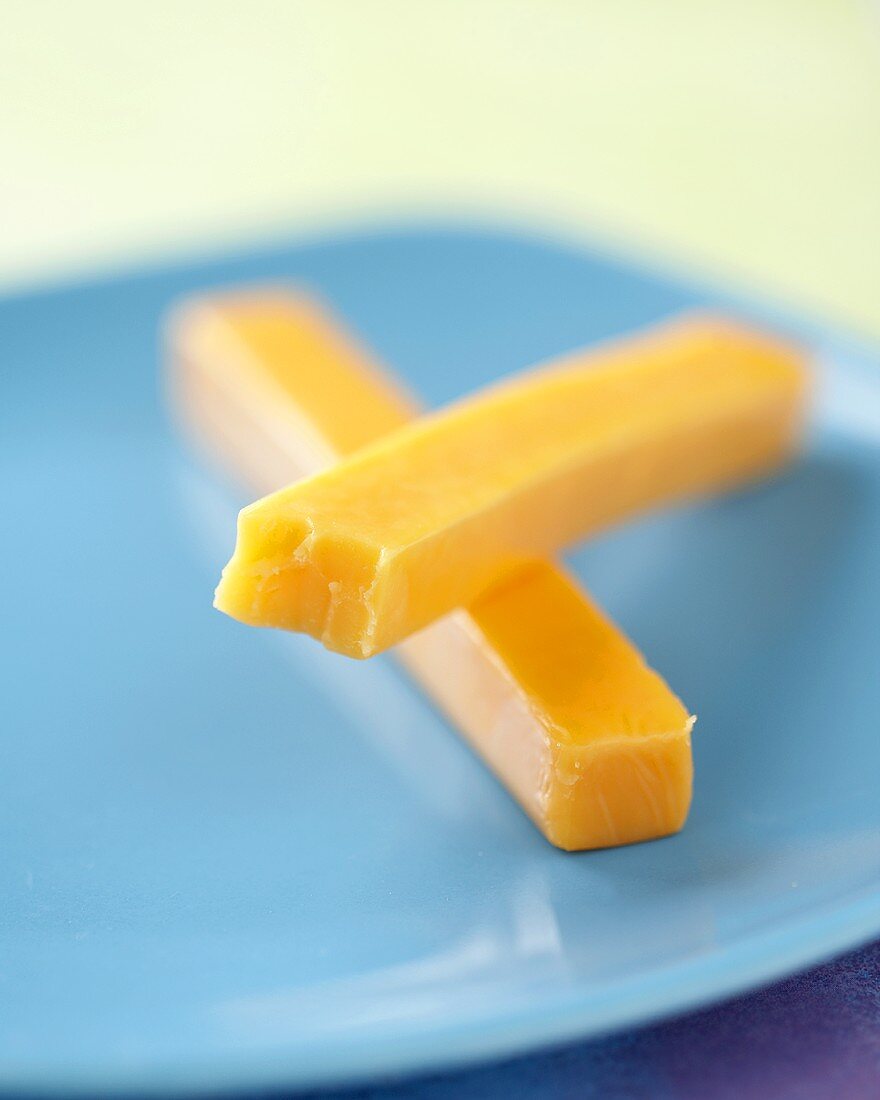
pixel 424 521
pixel 562 707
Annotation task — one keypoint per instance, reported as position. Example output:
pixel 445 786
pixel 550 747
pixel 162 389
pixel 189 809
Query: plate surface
pixel 232 859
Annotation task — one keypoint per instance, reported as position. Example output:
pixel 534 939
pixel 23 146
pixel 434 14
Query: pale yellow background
pixel 741 138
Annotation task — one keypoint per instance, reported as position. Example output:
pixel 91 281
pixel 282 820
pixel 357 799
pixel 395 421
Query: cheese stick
pixel 558 702
pixel 367 552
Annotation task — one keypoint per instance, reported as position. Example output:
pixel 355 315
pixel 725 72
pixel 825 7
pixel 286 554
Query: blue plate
pixel 230 859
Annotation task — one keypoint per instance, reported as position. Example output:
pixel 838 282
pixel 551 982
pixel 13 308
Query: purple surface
pixel 811 1037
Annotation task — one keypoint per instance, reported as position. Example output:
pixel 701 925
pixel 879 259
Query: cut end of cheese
pixel 616 757
pixel 621 792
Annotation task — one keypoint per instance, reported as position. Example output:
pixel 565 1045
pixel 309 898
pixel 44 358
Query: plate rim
pixel 666 992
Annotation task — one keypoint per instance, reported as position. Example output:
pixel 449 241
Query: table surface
pixel 739 139
pixel 814 1036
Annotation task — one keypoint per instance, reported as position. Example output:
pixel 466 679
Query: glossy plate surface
pixel 232 859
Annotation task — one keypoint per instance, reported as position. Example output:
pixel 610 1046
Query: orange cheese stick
pixel 426 519
pixel 561 706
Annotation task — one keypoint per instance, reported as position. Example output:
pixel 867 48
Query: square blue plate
pixel 230 859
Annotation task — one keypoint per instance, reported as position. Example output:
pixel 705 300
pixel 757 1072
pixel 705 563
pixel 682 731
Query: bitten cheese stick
pixel 561 706
pixel 431 516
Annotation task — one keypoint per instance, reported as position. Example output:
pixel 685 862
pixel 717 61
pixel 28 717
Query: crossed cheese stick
pixel 453 511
